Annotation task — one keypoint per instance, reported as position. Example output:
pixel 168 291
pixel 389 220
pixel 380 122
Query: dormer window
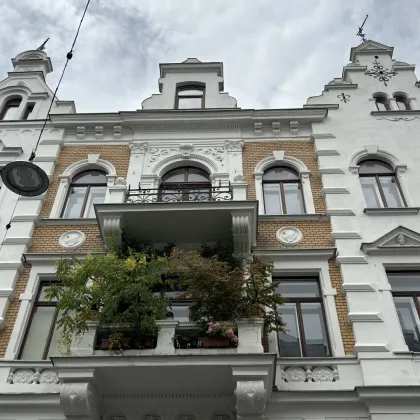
pixel 9 110
pixel 189 97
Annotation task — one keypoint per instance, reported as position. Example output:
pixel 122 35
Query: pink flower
pixel 209 330
pixel 217 325
pixel 235 339
pixel 230 333
pixel 210 324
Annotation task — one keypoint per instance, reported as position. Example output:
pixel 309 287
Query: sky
pixel 276 53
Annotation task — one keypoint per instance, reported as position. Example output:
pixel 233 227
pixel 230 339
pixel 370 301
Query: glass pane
pixel 74 203
pixel 289 341
pixel 401 104
pixel 96 196
pixel 315 332
pixel 39 329
pixel 409 321
pixel 374 167
pixel 178 175
pixel 391 191
pixel 42 297
pixel 189 103
pixel 10 113
pixel 279 174
pixel 381 105
pixel 190 92
pixel 91 177
pixel 298 289
pixel 53 349
pixel 404 282
pixel 272 201
pixel 197 175
pixel 294 199
pixel 371 192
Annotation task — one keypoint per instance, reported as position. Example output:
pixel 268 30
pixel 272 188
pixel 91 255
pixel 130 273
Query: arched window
pixel 86 189
pixel 189 97
pixel 9 111
pixel 185 184
pixel 402 102
pixel 380 185
pixel 381 103
pixel 282 192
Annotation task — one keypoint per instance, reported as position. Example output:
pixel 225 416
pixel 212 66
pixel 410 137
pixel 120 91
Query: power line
pixel 69 56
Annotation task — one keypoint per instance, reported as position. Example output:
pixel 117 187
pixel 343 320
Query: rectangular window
pixel 41 337
pixel 189 97
pixel 303 313
pixel 406 292
pixel 272 199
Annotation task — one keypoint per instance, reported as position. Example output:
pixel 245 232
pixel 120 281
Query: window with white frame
pixel 405 287
pixel 9 111
pixel 306 333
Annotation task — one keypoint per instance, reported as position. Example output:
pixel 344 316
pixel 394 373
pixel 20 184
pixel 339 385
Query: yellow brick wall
pixel 303 150
pixel 342 309
pixel 316 234
pixel 13 309
pixel 119 156
pixel 45 239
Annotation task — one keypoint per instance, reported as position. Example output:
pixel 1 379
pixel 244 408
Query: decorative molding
pixel 287 253
pixel 258 128
pixel 250 398
pixel 99 132
pixel 365 317
pixel 117 131
pixel 234 146
pixel 93 158
pixel 326 152
pixel 379 72
pixel 138 148
pixel 78 399
pixel 80 132
pixel 217 152
pixel 276 128
pixel 365 153
pixel 162 164
pixel 330 171
pixel 289 235
pixel 351 259
pixel 7 153
pixel 345 235
pixel 112 232
pixel 392 211
pixel 72 239
pixel 241 234
pixel 186 150
pixel 357 287
pixel 292 217
pixel 278 155
pixel 334 190
pixel 294 128
pixel 371 347
pixel 340 212
pixel 32 376
pixel 156 153
pixel 308 373
pixel 399 241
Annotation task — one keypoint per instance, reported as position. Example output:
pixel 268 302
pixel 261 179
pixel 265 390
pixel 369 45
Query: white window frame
pixel 91 163
pixel 279 159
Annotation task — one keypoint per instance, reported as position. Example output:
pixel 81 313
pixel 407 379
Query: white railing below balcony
pixel 315 374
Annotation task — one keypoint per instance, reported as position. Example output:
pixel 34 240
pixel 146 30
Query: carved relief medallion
pixel 289 235
pixel 72 239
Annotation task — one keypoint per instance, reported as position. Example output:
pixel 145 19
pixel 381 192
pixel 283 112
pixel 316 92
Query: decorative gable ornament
pixel 398 241
pixel 379 72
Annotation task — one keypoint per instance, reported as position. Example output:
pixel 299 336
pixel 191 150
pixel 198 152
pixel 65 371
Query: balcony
pixel 188 215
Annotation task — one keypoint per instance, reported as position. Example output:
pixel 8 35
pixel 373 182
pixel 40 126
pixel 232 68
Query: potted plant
pixel 114 291
pixel 219 336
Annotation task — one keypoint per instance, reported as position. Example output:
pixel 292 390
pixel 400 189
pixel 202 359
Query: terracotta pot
pixel 215 342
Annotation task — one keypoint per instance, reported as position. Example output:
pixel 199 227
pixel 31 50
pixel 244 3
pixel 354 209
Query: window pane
pixel 74 203
pixel 190 92
pixel 294 199
pixel 189 103
pixel 96 196
pixel 272 201
pixel 289 341
pixel 10 113
pixel 39 329
pixel 381 105
pixel 280 174
pixel 53 348
pixel 391 191
pixel 197 175
pixel 298 289
pixel 42 297
pixel 409 321
pixel 401 103
pixel 404 282
pixel 178 175
pixel 371 192
pixel 374 167
pixel 91 177
pixel 315 333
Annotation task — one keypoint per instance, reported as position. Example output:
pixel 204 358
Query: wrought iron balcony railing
pixel 180 192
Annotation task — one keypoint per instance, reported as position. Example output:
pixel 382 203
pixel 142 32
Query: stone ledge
pixel 391 211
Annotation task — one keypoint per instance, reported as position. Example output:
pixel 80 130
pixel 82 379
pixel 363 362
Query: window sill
pixel 291 217
pixel 391 211
pixel 66 222
pixel 397 114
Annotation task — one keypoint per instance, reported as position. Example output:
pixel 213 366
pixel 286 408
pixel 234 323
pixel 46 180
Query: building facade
pixel 328 192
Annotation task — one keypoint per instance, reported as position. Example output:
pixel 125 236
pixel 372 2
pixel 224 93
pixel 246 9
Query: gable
pixel 399 240
pixel 370 47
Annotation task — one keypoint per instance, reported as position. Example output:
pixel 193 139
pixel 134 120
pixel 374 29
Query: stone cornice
pixel 323 253
pixel 38 257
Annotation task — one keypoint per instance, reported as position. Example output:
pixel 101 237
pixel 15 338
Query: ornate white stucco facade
pixel 379 380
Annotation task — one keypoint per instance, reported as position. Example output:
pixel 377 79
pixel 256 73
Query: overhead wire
pixel 69 56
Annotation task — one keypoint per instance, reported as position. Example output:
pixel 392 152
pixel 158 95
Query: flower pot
pixel 106 342
pixel 215 342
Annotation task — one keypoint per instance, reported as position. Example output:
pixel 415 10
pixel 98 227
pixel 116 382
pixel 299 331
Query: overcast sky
pixel 276 53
